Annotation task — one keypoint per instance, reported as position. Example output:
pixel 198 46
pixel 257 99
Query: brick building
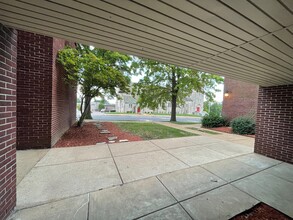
pixel 8 49
pixel 245 40
pixel 36 105
pixel 45 103
pixel 241 99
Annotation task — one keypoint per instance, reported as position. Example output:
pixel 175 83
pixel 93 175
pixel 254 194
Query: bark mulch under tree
pixel 89 134
pixel 228 130
pixel 261 212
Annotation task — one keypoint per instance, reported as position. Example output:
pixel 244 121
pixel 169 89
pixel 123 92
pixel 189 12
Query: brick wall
pixel 63 96
pixel 8 41
pixel 242 99
pixel 34 90
pixel 274 125
pixel 46 104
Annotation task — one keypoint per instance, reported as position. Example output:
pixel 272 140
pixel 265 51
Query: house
pixel 193 105
pixel 126 103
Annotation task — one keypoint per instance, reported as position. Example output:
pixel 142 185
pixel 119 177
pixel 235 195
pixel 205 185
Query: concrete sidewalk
pixel 196 177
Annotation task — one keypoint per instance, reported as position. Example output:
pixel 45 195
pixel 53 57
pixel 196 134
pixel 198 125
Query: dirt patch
pixel 261 212
pixel 229 130
pixel 89 134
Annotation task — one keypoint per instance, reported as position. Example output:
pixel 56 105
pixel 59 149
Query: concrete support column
pixel 274 124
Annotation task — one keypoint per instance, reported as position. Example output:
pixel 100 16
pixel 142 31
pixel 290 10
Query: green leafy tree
pixel 213 108
pixel 164 82
pixel 99 72
pixel 102 104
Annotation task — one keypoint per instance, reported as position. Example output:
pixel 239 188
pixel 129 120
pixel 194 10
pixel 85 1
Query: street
pixel 124 117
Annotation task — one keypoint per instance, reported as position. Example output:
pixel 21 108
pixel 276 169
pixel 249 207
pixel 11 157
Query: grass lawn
pixel 148 130
pixel 184 123
pixel 158 114
pixel 201 130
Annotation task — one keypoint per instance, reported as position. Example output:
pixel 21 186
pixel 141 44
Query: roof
pixel 245 40
pixel 128 99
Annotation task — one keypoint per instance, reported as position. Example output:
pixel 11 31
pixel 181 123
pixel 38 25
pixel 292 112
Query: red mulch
pixel 228 130
pixel 261 212
pixel 89 134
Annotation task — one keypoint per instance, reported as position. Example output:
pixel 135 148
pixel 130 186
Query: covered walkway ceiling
pixel 249 40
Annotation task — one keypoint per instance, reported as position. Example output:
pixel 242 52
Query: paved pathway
pixel 197 177
pixel 237 139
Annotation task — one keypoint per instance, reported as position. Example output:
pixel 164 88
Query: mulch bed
pixel 89 134
pixel 261 212
pixel 228 130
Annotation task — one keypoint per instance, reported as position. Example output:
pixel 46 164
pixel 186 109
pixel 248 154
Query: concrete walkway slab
pixel 221 203
pixel 26 160
pixel 121 149
pixel 75 154
pixel 130 200
pixel 258 161
pixel 186 183
pixel 196 155
pixel 50 183
pixel 74 208
pixel 175 212
pixel 203 140
pixel 230 149
pixel 270 189
pixel 139 166
pixel 231 137
pixel 249 142
pixel 283 170
pixel 172 143
pixel 230 169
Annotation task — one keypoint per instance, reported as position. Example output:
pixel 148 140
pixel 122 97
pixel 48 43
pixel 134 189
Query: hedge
pixel 243 125
pixel 212 121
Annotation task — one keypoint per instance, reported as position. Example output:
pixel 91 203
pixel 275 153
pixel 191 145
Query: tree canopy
pixel 99 72
pixel 213 108
pixel 164 82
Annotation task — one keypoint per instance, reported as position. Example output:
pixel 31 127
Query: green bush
pixel 243 125
pixel 212 121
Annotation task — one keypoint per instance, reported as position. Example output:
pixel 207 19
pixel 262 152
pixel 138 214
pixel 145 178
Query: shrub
pixel 243 125
pixel 212 121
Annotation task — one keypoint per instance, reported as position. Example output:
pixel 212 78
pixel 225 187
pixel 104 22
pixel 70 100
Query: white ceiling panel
pixel 248 40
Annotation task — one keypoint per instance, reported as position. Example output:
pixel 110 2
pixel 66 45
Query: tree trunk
pixel 173 109
pixel 174 97
pixel 87 108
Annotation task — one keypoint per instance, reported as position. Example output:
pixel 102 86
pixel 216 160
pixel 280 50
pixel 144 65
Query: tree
pixel 213 108
pixel 102 104
pixel 163 82
pixel 99 72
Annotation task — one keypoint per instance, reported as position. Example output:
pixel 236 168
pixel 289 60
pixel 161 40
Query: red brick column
pixel 34 90
pixel 46 105
pixel 274 125
pixel 8 41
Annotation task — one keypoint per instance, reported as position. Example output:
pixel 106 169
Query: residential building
pixel 193 105
pixel 126 103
